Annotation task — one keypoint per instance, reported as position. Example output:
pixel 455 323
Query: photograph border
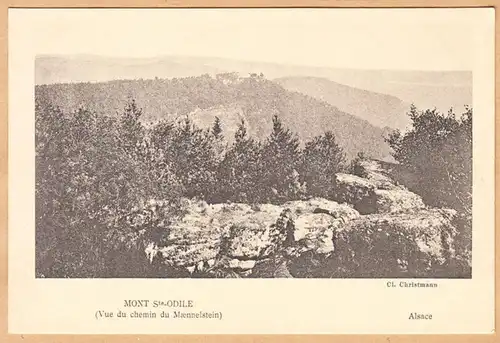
pixel 5 337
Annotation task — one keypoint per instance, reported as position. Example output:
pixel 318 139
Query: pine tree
pixel 219 144
pixel 281 156
pixel 217 128
pixel 131 131
pixel 192 156
pixel 239 171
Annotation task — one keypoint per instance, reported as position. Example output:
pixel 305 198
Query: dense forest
pixel 92 167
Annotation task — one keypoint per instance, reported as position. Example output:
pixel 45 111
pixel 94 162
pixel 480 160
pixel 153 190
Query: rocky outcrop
pixel 375 192
pixel 394 245
pixel 377 175
pixel 237 237
pixel 397 200
pixel 355 190
pixel 376 228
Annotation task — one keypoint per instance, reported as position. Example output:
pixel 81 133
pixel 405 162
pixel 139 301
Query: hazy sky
pixel 379 39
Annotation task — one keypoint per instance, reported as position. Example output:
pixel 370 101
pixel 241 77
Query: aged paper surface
pixel 58 295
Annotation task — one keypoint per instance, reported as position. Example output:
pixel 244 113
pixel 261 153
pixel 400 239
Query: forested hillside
pixel 379 109
pixel 229 97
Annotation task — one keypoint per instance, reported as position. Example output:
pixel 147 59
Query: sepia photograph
pixel 209 167
pixel 217 171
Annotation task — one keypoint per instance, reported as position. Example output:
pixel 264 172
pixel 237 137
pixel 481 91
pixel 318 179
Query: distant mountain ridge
pixel 253 99
pixel 83 68
pixel 379 109
pixel 426 89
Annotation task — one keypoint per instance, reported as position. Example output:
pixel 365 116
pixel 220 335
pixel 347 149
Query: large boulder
pixel 375 193
pixel 357 191
pixel 352 189
pixel 312 224
pixel 394 245
pixel 204 237
pixel 204 232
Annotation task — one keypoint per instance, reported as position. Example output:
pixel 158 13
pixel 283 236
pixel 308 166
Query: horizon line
pixel 92 55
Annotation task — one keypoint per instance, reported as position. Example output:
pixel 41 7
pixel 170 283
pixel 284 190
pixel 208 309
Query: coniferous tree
pixel 167 184
pixel 322 159
pixel 239 171
pixel 218 140
pixel 217 128
pixel 193 159
pixel 281 155
pixel 130 130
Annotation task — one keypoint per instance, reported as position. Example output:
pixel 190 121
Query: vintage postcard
pixel 251 171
